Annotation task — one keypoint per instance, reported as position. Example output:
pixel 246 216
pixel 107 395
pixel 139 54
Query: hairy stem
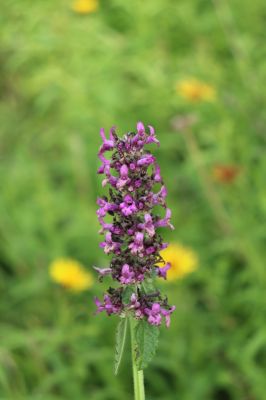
pixel 138 377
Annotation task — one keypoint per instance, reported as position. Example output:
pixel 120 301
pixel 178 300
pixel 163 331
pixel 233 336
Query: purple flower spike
pixel 131 231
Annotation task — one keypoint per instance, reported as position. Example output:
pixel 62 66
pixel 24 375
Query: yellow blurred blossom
pixel 195 91
pixel 183 260
pixel 85 6
pixel 70 274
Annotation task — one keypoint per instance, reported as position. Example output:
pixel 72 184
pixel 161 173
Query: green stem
pixel 138 378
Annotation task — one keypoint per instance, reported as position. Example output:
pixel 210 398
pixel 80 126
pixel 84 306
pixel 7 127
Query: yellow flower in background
pixel 85 6
pixel 195 91
pixel 70 274
pixel 183 261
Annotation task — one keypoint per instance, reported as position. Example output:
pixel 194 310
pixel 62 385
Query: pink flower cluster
pixel 131 236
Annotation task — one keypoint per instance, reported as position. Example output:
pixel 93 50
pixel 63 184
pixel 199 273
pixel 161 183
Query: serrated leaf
pixel 146 337
pixel 121 333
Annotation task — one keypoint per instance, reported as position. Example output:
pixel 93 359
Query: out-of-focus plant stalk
pixel 243 62
pixel 212 197
pixel 224 221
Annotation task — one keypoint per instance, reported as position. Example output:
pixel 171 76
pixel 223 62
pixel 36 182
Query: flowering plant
pixel 131 238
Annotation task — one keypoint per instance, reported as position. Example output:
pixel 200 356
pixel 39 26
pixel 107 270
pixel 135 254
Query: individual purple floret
pixel 165 221
pixel 157 174
pixel 134 303
pixel 128 206
pixel 162 271
pixel 107 144
pixel 152 138
pixel 159 198
pixel 136 246
pixel 105 167
pixel 109 245
pixel 166 314
pixel 123 179
pixel 127 275
pixel 131 225
pixel 147 225
pixel 154 314
pixel 107 305
pixel 105 207
pixel 146 160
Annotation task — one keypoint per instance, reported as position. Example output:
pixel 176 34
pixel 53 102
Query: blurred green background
pixel 63 75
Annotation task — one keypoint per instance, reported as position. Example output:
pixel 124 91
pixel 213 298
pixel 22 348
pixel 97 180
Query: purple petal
pixel 140 127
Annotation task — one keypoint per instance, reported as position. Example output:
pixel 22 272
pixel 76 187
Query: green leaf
pixel 121 333
pixel 146 337
pixel 126 295
pixel 148 285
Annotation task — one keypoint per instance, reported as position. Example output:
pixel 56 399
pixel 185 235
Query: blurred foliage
pixel 63 76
